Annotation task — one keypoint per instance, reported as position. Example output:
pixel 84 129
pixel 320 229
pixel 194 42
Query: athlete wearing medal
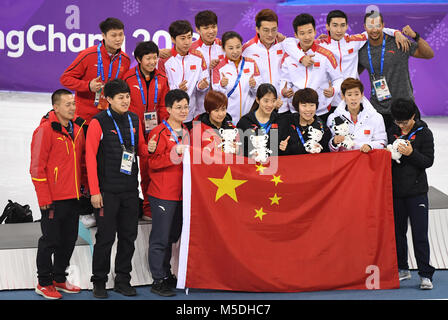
pixel 114 139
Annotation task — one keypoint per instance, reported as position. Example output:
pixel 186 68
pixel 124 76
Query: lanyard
pixel 172 131
pixel 266 126
pixel 300 135
pixel 237 79
pixel 411 135
pixel 156 91
pixel 118 130
pixel 383 50
pixel 100 68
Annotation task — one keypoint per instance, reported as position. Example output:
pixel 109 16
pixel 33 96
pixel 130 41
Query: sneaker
pixel 48 292
pixel 425 283
pixel 88 220
pixel 125 289
pixel 161 288
pixel 99 290
pixel 171 281
pixel 404 275
pixel 66 287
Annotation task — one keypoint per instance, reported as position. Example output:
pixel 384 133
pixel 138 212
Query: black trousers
pixel 166 230
pixel 59 227
pixel 416 209
pixel 118 217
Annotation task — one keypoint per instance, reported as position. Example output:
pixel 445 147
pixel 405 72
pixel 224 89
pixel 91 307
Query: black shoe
pixel 99 290
pixel 171 281
pixel 125 289
pixel 162 288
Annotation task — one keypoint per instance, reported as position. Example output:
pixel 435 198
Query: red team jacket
pixel 56 160
pixel 84 69
pixel 166 175
pixel 137 105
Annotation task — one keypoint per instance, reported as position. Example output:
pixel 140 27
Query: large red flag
pixel 320 222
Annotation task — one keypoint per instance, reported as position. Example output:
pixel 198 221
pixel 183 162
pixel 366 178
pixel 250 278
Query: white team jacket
pixel 345 51
pixel 242 98
pixel 268 60
pixel 369 129
pixel 210 53
pixel 191 67
pixel 296 76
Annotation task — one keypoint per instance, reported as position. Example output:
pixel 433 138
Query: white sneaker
pixel 425 283
pixel 404 275
pixel 88 220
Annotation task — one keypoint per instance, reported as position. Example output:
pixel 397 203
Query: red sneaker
pixel 66 287
pixel 48 292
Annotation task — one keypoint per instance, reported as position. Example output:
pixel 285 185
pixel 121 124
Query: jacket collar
pixel 174 52
pixel 313 47
pixel 57 126
pixel 107 54
pixel 226 123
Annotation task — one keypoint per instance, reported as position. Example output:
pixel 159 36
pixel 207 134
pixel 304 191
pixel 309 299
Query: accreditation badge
pixel 100 100
pixel 127 159
pixel 381 89
pixel 150 120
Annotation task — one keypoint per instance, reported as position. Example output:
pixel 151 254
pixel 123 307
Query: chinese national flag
pixel 320 222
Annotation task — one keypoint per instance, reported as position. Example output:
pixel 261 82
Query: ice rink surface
pixel 21 113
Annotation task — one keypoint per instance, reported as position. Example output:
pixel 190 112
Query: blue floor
pixel 409 290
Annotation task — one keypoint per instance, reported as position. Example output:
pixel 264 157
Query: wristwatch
pixel 417 37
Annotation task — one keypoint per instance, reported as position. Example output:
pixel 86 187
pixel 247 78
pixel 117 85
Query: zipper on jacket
pixel 183 68
pixel 269 61
pixel 340 56
pixel 306 79
pixel 74 157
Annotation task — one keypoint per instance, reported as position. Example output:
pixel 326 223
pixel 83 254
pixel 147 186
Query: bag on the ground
pixel 16 213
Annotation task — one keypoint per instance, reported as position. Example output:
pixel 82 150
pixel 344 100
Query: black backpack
pixel 16 213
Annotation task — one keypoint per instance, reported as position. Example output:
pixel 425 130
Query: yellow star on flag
pixel 227 185
pixel 276 179
pixel 260 168
pixel 260 214
pixel 275 199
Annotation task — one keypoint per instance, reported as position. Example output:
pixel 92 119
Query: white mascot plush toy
pixel 341 128
pixel 260 150
pixel 312 145
pixel 228 140
pixel 393 148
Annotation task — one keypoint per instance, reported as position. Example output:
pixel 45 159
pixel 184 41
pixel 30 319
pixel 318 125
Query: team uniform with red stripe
pixel 193 68
pixel 296 76
pixel 212 52
pixel 84 69
pixel 242 98
pixel 268 60
pixel 345 51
